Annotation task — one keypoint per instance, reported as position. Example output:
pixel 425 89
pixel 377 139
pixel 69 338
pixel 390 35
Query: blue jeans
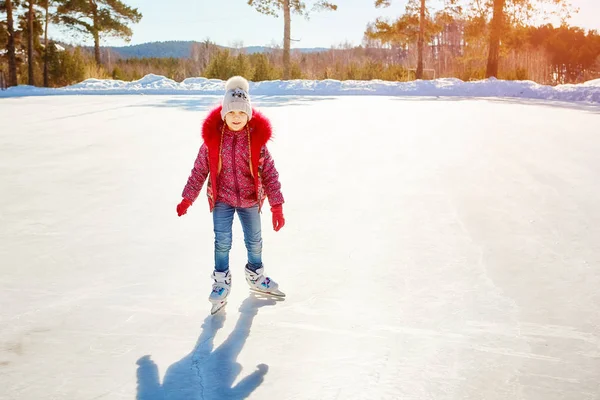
pixel 223 222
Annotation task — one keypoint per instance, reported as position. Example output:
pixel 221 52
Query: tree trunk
pixel 12 58
pixel 46 81
pixel 421 42
pixel 496 31
pixel 96 32
pixel 97 48
pixel 287 22
pixel 30 43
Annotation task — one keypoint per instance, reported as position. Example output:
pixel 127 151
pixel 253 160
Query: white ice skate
pixel 261 283
pixel 220 290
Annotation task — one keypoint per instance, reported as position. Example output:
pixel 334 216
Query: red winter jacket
pixel 237 163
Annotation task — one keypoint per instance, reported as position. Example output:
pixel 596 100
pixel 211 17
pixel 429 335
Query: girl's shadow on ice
pixel 207 373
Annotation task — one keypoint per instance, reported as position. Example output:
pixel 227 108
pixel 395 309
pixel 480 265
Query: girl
pixel 241 173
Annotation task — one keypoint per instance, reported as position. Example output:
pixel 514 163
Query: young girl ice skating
pixel 241 173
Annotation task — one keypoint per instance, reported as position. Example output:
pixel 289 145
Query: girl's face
pixel 236 120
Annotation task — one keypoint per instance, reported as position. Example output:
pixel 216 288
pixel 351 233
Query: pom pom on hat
pixel 237 82
pixel 236 96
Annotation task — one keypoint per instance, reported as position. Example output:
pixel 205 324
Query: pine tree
pixel 414 24
pixel 421 41
pixel 8 6
pixel 65 67
pixel 52 63
pixel 30 44
pixel 31 30
pixel 241 65
pixel 272 7
pixel 3 31
pixel 46 5
pixel 262 68
pixel 96 17
pixel 220 66
pixel 495 33
pixel 520 11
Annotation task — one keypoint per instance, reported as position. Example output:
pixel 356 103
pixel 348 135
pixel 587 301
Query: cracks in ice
pixel 196 364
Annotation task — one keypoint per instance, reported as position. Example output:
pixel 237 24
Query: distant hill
pixel 182 49
pixel 175 49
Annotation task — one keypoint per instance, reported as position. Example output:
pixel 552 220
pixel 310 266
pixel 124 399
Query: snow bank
pixel 160 85
pixel 595 82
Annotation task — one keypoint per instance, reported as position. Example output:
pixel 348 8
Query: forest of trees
pixel 466 39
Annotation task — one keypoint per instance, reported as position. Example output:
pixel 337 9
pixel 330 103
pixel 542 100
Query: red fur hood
pixel 256 164
pixel 260 128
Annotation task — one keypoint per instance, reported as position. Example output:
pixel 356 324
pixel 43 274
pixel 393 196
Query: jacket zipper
pixel 237 188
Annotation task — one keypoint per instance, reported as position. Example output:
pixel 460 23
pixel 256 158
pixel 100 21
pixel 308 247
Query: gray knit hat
pixel 236 97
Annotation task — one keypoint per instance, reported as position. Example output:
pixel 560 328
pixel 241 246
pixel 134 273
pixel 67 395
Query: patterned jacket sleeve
pixel 197 176
pixel 270 178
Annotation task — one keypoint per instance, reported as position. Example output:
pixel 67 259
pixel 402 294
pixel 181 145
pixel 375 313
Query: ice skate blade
pixel 274 293
pixel 216 307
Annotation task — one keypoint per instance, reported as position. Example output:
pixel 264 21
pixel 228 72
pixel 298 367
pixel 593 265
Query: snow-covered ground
pixel 155 84
pixel 434 248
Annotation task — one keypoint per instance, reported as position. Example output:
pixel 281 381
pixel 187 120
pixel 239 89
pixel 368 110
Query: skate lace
pixel 227 281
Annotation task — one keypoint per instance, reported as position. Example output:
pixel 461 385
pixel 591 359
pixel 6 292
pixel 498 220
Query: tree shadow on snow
pixel 581 106
pixel 207 372
pixel 208 102
pixel 188 103
pixel 291 100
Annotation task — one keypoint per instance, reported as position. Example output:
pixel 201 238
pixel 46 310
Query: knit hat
pixel 236 97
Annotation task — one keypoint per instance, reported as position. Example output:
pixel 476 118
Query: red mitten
pixel 278 220
pixel 183 206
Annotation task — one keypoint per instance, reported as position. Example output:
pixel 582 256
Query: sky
pixel 234 22
pixel 432 256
